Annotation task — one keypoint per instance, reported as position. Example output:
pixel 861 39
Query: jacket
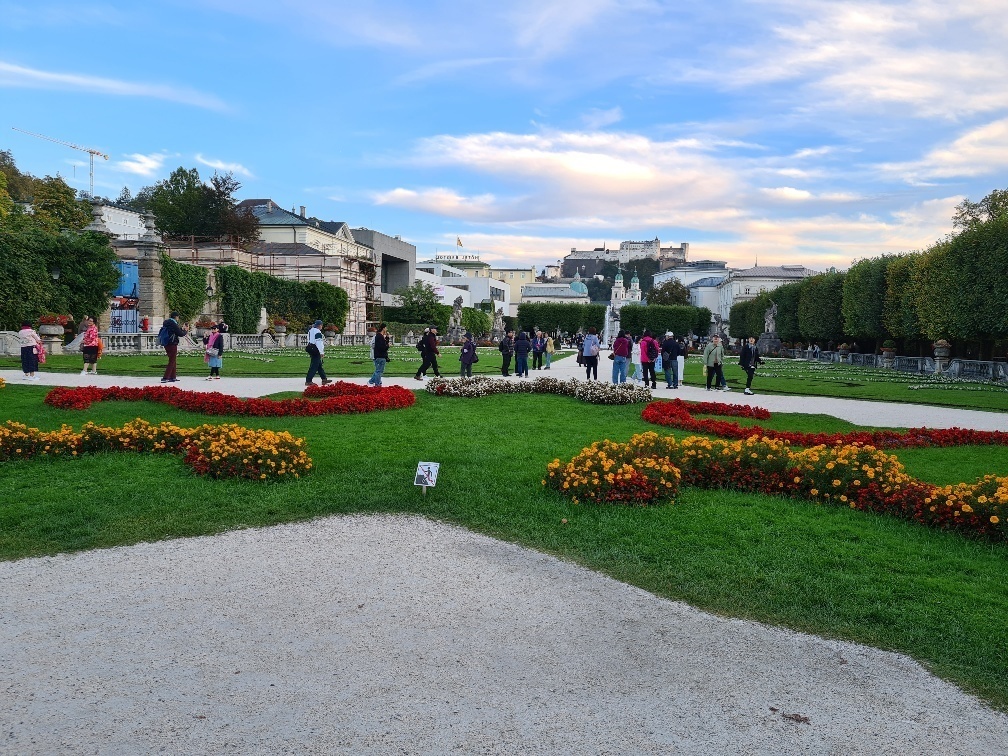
pixel 315 337
pixel 538 344
pixel 713 355
pixel 380 347
pixel 591 346
pixel 506 345
pixel 550 346
pixel 645 345
pixel 621 347
pixel 431 344
pixel 468 352
pixel 749 356
pixel 670 349
pixel 522 345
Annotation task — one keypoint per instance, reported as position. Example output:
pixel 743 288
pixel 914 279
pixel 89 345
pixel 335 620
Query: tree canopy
pixel 671 293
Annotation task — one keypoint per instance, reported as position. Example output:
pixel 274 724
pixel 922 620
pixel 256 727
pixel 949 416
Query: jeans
pixel 521 364
pixel 671 367
pixel 591 366
pixel 619 365
pixel 549 359
pixel 379 368
pixel 505 363
pixel 750 372
pixel 315 367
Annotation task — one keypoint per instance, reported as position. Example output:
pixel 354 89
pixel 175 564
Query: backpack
pixel 165 335
pixel 652 350
pixel 420 344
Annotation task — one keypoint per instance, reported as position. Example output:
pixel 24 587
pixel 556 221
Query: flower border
pixel 338 398
pixel 678 414
pixel 593 392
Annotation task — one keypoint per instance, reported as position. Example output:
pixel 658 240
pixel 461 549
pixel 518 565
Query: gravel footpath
pixel 400 635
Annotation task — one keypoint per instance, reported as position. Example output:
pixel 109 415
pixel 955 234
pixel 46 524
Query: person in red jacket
pixel 649 351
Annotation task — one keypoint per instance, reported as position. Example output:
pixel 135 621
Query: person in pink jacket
pixel 649 351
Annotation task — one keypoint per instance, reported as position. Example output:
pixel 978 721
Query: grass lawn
pixel 935 596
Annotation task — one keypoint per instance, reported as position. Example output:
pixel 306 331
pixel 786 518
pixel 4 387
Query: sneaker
pixel 33 378
pixel 747 391
pixel 84 371
pixel 208 378
pixel 326 382
pixel 725 388
pixel 708 389
pixel 417 378
pixel 164 380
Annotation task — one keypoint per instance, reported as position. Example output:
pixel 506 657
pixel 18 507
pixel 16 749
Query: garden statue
pixel 498 324
pixel 770 318
pixel 455 321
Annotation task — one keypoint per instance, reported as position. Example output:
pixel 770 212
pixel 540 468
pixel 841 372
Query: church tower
pixel 634 295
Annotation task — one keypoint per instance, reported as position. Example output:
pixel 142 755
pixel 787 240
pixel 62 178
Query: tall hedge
pixel 786 297
pixel 863 300
pixel 244 294
pixel 680 319
pixel 185 287
pixel 819 303
pixel 899 310
pixel 556 316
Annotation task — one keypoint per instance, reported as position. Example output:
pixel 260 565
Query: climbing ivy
pixel 244 294
pixel 185 287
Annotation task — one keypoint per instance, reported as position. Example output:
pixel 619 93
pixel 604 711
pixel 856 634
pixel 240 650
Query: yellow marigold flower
pixel 967 508
pixel 994 519
pixel 836 483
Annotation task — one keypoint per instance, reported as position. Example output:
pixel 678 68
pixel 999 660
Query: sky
pixel 798 132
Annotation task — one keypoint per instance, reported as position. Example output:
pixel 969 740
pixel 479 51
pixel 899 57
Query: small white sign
pixel 426 474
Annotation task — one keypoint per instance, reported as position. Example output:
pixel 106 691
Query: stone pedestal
pixel 53 344
pixel 769 343
pixel 150 289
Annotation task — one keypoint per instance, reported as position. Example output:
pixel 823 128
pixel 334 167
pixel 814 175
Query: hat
pixel 317 323
pixel 668 334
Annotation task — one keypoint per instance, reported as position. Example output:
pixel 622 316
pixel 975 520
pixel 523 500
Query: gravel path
pixel 400 635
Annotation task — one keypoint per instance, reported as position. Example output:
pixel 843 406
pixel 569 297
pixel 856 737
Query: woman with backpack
pixel 590 349
pixel 649 351
pixel 468 356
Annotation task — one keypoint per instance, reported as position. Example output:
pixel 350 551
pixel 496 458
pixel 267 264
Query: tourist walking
pixel 168 337
pixel 749 359
pixel 635 358
pixel 683 352
pixel 506 348
pixel 468 356
pixel 590 349
pixel 621 355
pixel 213 352
pixel 670 360
pixel 649 351
pixel 89 347
pixel 379 350
pixel 31 348
pixel 430 354
pixel 550 349
pixel 316 351
pixel 538 350
pixel 713 358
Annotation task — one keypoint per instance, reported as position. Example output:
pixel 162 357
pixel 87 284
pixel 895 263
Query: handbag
pixel 705 371
pixel 40 350
pixel 612 356
pixel 475 358
pixel 213 352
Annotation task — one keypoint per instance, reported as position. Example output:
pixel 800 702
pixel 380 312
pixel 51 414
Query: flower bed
pixel 594 392
pixel 649 468
pixel 679 414
pixel 335 399
pixel 215 451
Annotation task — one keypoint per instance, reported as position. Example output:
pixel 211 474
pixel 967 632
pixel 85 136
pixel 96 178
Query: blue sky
pixel 792 132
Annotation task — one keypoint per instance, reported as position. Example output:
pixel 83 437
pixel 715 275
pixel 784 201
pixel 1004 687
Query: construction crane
pixel 91 153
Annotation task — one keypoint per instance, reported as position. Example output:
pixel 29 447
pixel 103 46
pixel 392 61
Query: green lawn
pixel 835 572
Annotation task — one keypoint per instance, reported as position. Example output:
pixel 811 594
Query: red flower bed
pixel 335 399
pixel 679 414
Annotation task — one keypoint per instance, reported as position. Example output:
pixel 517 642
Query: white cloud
pixel 142 165
pixel 597 119
pixel 790 194
pixel 220 165
pixel 12 75
pixel 440 201
pixel 977 152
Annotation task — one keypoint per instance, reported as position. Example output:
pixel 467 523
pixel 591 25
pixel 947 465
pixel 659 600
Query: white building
pixel 451 282
pixel 743 285
pixel 574 293
pixel 704 293
pixel 122 224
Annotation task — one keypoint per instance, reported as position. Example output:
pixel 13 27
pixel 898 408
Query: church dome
pixel 578 285
pixel 635 280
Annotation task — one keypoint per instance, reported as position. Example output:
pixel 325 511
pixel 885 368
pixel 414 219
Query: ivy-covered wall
pixel 185 287
pixel 244 294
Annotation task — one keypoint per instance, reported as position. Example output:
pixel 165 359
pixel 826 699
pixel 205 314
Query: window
pixel 511 275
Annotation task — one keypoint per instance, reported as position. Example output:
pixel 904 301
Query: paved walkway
pixel 879 414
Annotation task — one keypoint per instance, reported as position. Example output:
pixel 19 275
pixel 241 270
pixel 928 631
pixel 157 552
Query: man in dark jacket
pixel 430 354
pixel 749 359
pixel 670 360
pixel 522 347
pixel 175 332
pixel 506 348
pixel 380 345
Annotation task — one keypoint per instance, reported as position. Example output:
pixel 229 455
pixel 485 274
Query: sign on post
pixel 426 474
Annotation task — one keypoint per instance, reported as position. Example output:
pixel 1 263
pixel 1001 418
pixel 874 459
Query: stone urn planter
pixel 330 334
pixel 51 329
pixel 279 330
pixel 887 357
pixel 942 350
